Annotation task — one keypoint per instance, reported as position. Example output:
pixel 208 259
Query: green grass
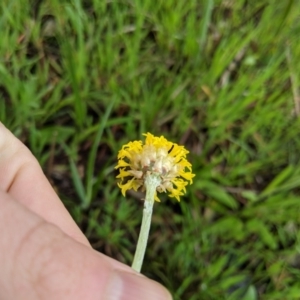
pixel 78 79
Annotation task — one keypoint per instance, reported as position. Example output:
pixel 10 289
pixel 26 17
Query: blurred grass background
pixel 80 78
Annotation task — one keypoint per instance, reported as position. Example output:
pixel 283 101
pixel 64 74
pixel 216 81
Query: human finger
pixel 22 177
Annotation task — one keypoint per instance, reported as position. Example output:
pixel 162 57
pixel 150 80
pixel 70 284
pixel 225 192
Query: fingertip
pixel 129 286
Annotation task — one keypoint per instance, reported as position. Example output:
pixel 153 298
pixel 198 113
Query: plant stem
pixel 151 183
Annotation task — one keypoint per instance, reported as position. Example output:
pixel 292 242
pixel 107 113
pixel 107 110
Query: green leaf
pixel 278 180
pixel 251 293
pixel 217 193
pixel 258 227
pixel 226 283
pixel 216 267
pixel 93 154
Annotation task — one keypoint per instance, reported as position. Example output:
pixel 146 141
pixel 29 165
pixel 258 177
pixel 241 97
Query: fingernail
pixel 127 286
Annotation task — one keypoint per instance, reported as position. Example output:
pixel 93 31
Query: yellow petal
pixel 122 163
pixel 123 173
pixel 126 186
pixel 156 198
pixel 176 194
pixel 181 184
pixel 187 175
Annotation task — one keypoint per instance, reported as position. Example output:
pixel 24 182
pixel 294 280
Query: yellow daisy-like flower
pixel 156 156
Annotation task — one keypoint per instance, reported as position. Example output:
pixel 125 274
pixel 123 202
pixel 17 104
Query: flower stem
pixel 152 181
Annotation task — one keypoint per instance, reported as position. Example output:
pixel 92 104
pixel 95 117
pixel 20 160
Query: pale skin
pixel 43 254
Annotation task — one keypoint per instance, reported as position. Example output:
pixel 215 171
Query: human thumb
pixel 39 261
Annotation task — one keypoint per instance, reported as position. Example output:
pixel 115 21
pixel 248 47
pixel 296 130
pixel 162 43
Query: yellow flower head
pixel 156 156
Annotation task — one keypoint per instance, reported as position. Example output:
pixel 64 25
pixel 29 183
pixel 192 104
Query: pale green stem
pixel 152 181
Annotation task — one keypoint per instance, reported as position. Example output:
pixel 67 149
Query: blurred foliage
pixel 78 79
